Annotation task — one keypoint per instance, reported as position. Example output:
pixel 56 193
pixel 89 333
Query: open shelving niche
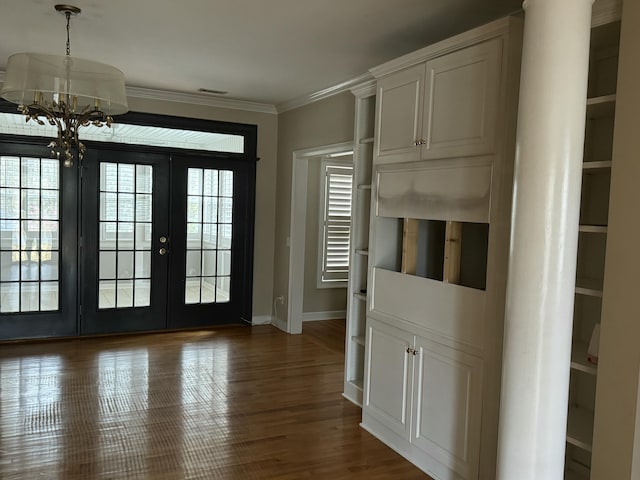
pixel 594 208
pixel 359 247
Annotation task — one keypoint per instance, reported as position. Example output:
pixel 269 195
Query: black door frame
pixel 49 325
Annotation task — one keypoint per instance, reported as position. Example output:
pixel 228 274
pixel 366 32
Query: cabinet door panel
pixel 399 115
pixel 388 372
pixel 462 102
pixel 448 406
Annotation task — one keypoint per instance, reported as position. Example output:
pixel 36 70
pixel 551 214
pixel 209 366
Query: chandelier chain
pixel 68 15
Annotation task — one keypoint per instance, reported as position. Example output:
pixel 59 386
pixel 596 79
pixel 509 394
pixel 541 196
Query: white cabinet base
pixel 416 456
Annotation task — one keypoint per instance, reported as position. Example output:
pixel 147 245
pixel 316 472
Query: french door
pixel 38 248
pixel 133 241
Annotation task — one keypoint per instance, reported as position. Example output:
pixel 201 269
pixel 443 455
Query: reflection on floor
pixel 231 403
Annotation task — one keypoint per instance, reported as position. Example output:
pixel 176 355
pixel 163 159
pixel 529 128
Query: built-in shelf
pixel 362 251
pixel 595 167
pixel 579 359
pixel 366 186
pixel 359 339
pixel 366 140
pixel 593 228
pixel 603 106
pixel 580 428
pixel 589 286
pixel 357 383
pixel 360 296
pixel 571 474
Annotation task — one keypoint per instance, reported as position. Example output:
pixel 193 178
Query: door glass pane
pixel 29 234
pixel 142 293
pixel 106 294
pixel 49 296
pixel 125 230
pixel 209 232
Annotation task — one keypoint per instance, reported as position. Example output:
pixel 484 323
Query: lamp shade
pixel 28 74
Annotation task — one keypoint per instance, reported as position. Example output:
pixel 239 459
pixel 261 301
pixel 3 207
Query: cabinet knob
pixel 412 351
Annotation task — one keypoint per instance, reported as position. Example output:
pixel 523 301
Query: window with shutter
pixel 335 229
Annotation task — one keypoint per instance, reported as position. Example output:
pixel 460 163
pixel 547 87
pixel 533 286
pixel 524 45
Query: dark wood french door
pixel 132 241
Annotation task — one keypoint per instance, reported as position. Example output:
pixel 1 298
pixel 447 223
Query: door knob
pixel 162 251
pixel 163 239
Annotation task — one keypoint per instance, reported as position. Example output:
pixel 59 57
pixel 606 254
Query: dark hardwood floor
pixel 230 403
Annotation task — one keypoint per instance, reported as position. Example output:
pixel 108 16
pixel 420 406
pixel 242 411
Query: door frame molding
pixel 297 231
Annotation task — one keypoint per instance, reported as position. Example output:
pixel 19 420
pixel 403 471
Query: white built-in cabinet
pixel 443 107
pixel 365 97
pixel 438 243
pixel 413 383
pixel 594 208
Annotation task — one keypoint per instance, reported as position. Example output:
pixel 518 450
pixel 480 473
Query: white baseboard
pixel 279 323
pixel 329 315
pixel 261 320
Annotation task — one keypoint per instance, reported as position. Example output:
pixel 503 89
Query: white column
pixel 544 238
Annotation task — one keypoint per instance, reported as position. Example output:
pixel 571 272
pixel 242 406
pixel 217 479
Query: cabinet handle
pixel 416 143
pixel 412 351
pixel 420 142
pixel 409 350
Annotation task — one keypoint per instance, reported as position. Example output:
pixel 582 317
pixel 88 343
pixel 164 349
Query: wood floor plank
pixel 229 403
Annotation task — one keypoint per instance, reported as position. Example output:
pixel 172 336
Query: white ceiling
pixel 267 51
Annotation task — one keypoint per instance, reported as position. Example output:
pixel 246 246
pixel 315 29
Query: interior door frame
pixel 297 231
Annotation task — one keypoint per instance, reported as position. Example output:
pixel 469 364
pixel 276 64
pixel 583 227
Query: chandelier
pixel 66 92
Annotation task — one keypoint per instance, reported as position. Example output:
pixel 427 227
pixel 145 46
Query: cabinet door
pixel 388 369
pixel 461 107
pixel 399 115
pixel 448 406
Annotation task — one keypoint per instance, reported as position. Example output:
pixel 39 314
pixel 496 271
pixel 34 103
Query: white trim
pixel 194 99
pixel 297 229
pixel 365 89
pixel 200 99
pixel 261 320
pixel 328 315
pixel 322 94
pixel 279 324
pixel 458 42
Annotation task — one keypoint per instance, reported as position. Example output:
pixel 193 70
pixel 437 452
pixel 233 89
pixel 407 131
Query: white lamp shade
pixel 51 75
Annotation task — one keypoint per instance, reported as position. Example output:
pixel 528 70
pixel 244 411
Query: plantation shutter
pixel 337 222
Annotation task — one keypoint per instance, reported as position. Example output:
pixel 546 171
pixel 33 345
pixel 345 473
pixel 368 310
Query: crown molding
pixel 365 89
pixel 470 37
pixel 194 99
pixel 322 94
pixel 200 99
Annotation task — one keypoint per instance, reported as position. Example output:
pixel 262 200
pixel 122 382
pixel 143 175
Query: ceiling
pixel 266 51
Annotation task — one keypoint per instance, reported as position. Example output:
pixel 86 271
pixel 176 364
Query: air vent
pixel 212 92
